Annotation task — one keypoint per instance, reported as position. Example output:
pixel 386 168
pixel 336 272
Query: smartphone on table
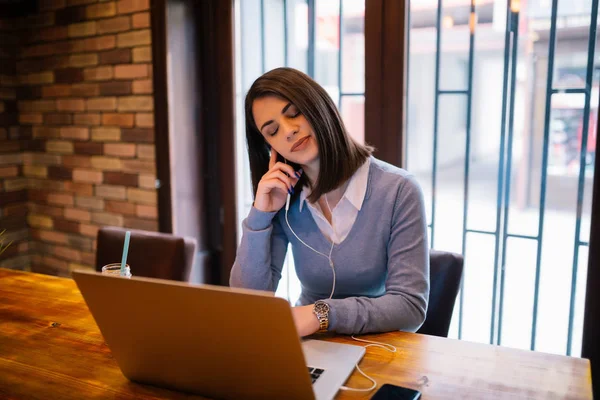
pixel 393 392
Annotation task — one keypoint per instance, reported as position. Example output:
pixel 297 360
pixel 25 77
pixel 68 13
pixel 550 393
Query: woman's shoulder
pixel 384 174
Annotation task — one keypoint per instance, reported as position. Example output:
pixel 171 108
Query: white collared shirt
pixel 346 210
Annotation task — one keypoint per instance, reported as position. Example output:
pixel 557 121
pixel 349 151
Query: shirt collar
pixel 355 192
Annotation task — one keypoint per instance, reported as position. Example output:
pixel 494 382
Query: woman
pixel 356 225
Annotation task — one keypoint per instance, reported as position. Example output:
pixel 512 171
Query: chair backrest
pixel 445 274
pixel 151 254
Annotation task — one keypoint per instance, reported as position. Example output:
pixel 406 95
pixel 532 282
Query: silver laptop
pixel 214 341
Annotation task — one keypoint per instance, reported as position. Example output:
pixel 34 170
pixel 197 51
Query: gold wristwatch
pixel 321 310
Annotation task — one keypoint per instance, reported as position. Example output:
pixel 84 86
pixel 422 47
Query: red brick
pixel 136 103
pixel 101 10
pixel 40 196
pixel 142 196
pixel 37 106
pixel 106 134
pixel 107 219
pixel 115 88
pixel 60 173
pixel 138 166
pixel 131 71
pixel 134 38
pixel 87 175
pixel 120 207
pixel 131 6
pixel 54 237
pixel 106 163
pixel 62 199
pixel 87 119
pixel 78 2
pixel 77 161
pixel 46 210
pixel 8 172
pixel 45 132
pixel 91 203
pixel 83 60
pixel 117 56
pixel 59 146
pixel 146 152
pixel 142 54
pixel 50 34
pixel 120 149
pixel 56 91
pixel 144 120
pixel 113 25
pixel 141 20
pixel 143 224
pixel 138 135
pixel 76 214
pixel 46 5
pixel 85 89
pixel 89 230
pixel 98 74
pixel 122 120
pixel 37 79
pixel 72 104
pixel 100 43
pixel 70 15
pixel 68 75
pixel 111 192
pixel 91 148
pixel 82 29
pixel 67 253
pixel 31 118
pixel 102 104
pixel 120 178
pixel 75 132
pixel 79 188
pixel 63 225
pixel 144 211
pixel 58 119
pixel 143 86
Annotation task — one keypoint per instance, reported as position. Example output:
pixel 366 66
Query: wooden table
pixel 51 348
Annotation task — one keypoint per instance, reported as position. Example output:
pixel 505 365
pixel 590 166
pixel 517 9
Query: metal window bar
pixel 469 94
pixel 310 60
pixel 286 55
pixel 436 106
pixel 501 177
pixel 582 166
pixel 340 36
pixel 263 53
pixel 406 118
pixel 514 27
pixel 551 52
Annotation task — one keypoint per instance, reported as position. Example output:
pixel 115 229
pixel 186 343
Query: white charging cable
pixel 384 346
pixel 328 257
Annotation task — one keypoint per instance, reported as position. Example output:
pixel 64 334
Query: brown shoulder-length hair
pixel 339 155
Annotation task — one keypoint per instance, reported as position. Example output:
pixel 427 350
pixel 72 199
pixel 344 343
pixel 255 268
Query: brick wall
pixel 13 141
pixel 85 95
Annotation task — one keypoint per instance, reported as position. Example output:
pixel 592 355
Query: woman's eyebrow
pixel 271 121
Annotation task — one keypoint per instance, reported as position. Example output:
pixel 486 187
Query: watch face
pixel 321 307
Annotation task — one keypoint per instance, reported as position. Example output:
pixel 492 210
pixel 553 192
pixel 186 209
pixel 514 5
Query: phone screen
pixel 393 392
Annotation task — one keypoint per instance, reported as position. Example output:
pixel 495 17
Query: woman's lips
pixel 300 143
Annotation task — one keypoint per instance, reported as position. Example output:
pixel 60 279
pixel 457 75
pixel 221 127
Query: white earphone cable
pixel 384 346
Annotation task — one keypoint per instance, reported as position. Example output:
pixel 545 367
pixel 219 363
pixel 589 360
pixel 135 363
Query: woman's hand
pixel 306 321
pixel 275 185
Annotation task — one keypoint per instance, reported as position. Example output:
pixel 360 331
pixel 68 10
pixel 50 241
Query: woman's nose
pixel 289 129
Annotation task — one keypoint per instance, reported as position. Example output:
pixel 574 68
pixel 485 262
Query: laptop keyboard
pixel 315 373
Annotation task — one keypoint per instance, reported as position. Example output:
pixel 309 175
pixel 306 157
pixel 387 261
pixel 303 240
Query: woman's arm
pixel 261 253
pixel 404 304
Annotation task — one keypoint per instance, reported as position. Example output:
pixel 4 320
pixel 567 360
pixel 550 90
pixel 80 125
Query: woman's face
pixel 285 129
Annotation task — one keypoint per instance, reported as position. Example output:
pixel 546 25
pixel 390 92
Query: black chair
pixel 151 254
pixel 445 274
